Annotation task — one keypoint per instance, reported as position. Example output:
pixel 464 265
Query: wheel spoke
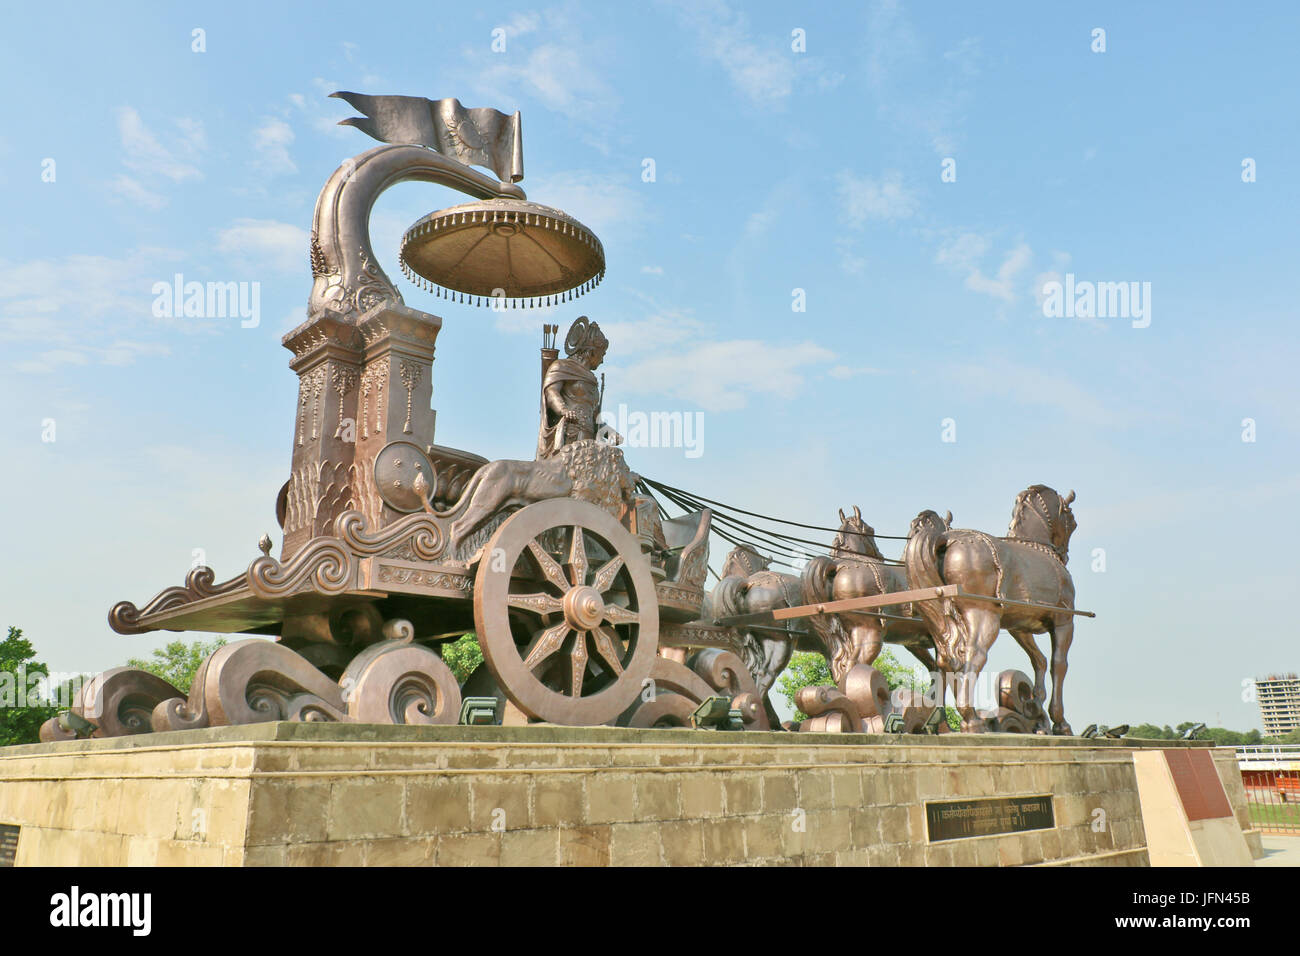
pixel 605 576
pixel 537 603
pixel 550 568
pixel 620 615
pixel 578 659
pixel 578 558
pixel 547 643
pixel 607 643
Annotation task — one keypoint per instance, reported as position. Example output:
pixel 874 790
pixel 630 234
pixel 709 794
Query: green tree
pixel 1148 732
pixel 462 655
pixel 20 678
pixel 178 662
pixel 807 669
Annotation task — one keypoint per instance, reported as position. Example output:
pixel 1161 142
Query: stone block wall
pixel 321 794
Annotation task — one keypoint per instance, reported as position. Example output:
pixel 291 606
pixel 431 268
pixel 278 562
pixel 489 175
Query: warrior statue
pixel 571 396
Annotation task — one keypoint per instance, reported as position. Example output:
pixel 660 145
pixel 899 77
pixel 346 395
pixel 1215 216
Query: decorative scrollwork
pixel 1019 710
pixel 117 703
pixel 125 617
pixel 675 690
pixel 247 682
pixel 397 682
pixel 322 564
pixel 416 537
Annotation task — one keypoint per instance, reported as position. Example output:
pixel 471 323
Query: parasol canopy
pixel 509 250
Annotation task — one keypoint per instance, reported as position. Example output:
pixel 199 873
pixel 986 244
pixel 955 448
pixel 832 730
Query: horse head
pixel 930 520
pixel 1041 515
pixel 743 560
pixel 855 536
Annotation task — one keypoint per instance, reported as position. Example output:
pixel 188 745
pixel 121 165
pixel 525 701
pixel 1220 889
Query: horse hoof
pixel 1062 730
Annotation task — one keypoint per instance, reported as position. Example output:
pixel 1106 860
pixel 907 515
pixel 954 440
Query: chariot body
pixel 584 596
pixel 393 546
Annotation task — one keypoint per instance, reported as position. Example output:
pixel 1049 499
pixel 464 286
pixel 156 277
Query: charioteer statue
pixel 571 396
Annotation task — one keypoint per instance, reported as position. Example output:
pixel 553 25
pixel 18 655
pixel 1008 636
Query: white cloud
pixel 850 261
pixel 1003 286
pixel 764 75
pixel 68 303
pixel 265 242
pixel 146 154
pixel 558 69
pixel 864 199
pixel 133 192
pixel 120 353
pixel 604 203
pixel 663 327
pixel 1035 387
pixel 653 270
pixel 720 375
pixel 850 371
pixel 271 142
pixel 964 254
pixel 51 360
pixel 915 90
pixel 522 24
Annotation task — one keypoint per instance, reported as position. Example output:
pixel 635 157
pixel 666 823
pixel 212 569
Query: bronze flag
pixel 476 137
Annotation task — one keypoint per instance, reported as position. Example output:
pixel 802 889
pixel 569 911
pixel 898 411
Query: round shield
pixel 404 476
pixel 503 252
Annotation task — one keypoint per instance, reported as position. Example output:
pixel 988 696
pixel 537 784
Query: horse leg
pixel 776 655
pixel 982 627
pixel 867 640
pixel 1025 638
pixel 1062 635
pixel 922 655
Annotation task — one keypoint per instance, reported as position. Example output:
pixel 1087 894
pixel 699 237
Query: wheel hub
pixel 584 608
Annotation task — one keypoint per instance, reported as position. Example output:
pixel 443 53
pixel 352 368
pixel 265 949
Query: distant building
pixel 1279 703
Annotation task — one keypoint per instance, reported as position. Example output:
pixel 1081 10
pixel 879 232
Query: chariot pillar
pixel 361 387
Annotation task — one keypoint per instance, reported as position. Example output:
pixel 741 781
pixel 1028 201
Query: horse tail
pixel 815 583
pixel 727 599
pixel 816 580
pixel 922 557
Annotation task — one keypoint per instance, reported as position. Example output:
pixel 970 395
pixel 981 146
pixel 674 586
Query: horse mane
pixel 856 538
pixel 744 561
pixel 1041 515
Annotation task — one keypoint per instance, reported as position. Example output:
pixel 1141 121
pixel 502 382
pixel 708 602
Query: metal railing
pixel 1271 776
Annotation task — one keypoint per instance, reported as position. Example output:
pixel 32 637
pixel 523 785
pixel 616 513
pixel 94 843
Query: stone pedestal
pixel 361 386
pixel 309 794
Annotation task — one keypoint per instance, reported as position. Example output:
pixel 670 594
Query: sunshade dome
pixel 503 249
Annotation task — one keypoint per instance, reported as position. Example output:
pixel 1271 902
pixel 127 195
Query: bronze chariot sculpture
pixel 588 601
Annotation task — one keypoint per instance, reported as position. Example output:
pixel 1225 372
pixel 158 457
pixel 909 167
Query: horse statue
pixel 1027 566
pixel 856 568
pixel 747 586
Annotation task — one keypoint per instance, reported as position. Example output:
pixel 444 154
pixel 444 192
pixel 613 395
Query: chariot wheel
pixel 566 613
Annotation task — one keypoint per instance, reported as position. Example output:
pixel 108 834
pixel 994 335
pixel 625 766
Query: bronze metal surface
pixel 863 603
pixel 1018 583
pixel 504 252
pixel 399 466
pixel 565 613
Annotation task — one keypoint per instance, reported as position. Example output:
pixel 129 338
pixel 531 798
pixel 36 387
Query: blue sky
pixel 775 170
